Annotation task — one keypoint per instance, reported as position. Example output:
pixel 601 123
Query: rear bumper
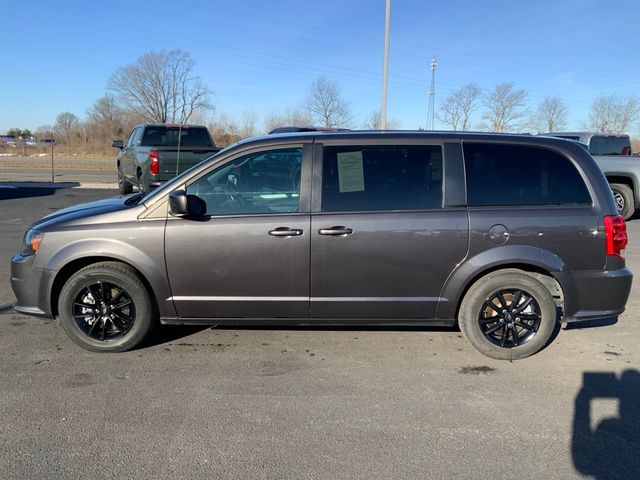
pixel 594 295
pixel 30 286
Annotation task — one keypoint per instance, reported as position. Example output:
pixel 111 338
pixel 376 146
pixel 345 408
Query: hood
pixel 87 213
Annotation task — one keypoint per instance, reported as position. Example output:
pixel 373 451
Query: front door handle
pixel 335 231
pixel 285 232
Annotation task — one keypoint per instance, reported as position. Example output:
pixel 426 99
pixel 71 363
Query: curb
pixel 16 185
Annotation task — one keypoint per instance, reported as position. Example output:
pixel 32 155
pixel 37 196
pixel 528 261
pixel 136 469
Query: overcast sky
pixel 262 55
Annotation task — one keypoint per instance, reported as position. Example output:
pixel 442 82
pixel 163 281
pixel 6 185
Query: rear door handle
pixel 335 231
pixel 285 232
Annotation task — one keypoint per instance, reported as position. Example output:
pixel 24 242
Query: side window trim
pixel 318 175
pixel 574 168
pixel 305 180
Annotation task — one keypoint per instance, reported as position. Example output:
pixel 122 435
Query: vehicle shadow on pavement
pixel 171 333
pixel 601 322
pixel 610 449
pixel 11 192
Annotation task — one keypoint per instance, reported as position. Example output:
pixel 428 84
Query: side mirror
pixel 182 205
pixel 117 144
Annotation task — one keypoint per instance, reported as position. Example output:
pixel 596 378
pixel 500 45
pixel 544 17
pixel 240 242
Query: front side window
pixel 389 177
pixel 265 182
pixel 132 137
pixel 518 175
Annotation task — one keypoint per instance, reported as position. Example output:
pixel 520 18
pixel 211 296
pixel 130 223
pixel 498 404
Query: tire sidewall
pixel 627 195
pixel 144 309
pixel 123 186
pixel 483 289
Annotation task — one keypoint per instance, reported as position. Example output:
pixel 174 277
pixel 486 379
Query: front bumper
pixel 30 286
pixel 591 295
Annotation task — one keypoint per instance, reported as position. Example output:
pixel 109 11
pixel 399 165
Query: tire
pixel 623 196
pixel 124 186
pixel 107 323
pixel 476 317
pixel 141 186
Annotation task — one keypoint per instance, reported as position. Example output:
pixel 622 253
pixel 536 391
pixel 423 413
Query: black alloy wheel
pixel 620 203
pixel 107 307
pixel 104 311
pixel 510 314
pixel 510 318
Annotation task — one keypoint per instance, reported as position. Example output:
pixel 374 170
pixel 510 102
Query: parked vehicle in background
pixel 614 156
pixel 508 235
pixel 155 153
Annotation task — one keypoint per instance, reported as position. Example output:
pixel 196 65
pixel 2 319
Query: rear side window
pixel 366 178
pixel 163 136
pixel 517 175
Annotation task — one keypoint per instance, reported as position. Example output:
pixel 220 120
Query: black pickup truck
pixel 155 153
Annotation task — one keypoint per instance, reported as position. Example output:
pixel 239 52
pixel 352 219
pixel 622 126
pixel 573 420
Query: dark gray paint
pixel 395 267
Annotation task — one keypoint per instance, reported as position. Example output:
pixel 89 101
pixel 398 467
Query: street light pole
pixel 385 72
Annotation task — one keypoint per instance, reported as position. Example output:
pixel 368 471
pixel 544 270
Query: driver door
pixel 249 256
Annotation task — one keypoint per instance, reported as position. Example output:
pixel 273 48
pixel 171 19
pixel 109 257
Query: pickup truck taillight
pixel 615 234
pixel 154 165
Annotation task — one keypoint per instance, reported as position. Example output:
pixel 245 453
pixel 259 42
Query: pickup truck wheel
pixel 105 307
pixel 623 196
pixel 508 315
pixel 124 187
pixel 141 186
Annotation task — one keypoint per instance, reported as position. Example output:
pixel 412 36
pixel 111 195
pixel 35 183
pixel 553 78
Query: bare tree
pixel 457 108
pixel 290 117
pixel 326 105
pixel 610 113
pixel 66 124
pixel 249 123
pixel 224 129
pixel 161 87
pixel 551 115
pixel 106 116
pixel 374 122
pixel 506 110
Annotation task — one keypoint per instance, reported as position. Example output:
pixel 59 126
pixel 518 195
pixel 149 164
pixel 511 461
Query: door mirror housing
pixel 117 144
pixel 183 205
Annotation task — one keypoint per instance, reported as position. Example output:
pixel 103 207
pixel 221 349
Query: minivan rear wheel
pixel 105 307
pixel 508 315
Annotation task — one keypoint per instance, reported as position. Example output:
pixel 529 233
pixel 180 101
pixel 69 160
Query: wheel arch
pixel 544 265
pixel 67 271
pixel 77 255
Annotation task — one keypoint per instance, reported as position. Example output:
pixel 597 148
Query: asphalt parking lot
pixel 309 403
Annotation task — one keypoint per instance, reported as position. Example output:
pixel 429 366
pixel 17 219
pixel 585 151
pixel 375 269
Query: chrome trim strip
pixel 182 298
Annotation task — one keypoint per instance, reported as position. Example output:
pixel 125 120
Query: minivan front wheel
pixel 105 307
pixel 508 315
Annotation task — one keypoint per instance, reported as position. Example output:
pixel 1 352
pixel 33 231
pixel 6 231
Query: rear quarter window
pixel 521 175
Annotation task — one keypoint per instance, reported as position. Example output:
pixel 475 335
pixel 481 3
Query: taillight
pixel 154 165
pixel 615 234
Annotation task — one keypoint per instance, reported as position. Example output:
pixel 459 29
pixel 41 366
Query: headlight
pixel 31 242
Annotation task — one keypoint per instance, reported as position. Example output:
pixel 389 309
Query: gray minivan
pixel 506 235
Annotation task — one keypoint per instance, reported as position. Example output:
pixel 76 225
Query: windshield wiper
pixel 134 199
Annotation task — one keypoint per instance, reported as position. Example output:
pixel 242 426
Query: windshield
pixel 609 145
pixel 167 136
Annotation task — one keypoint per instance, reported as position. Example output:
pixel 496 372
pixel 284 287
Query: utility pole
pixel 431 109
pixel 385 70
